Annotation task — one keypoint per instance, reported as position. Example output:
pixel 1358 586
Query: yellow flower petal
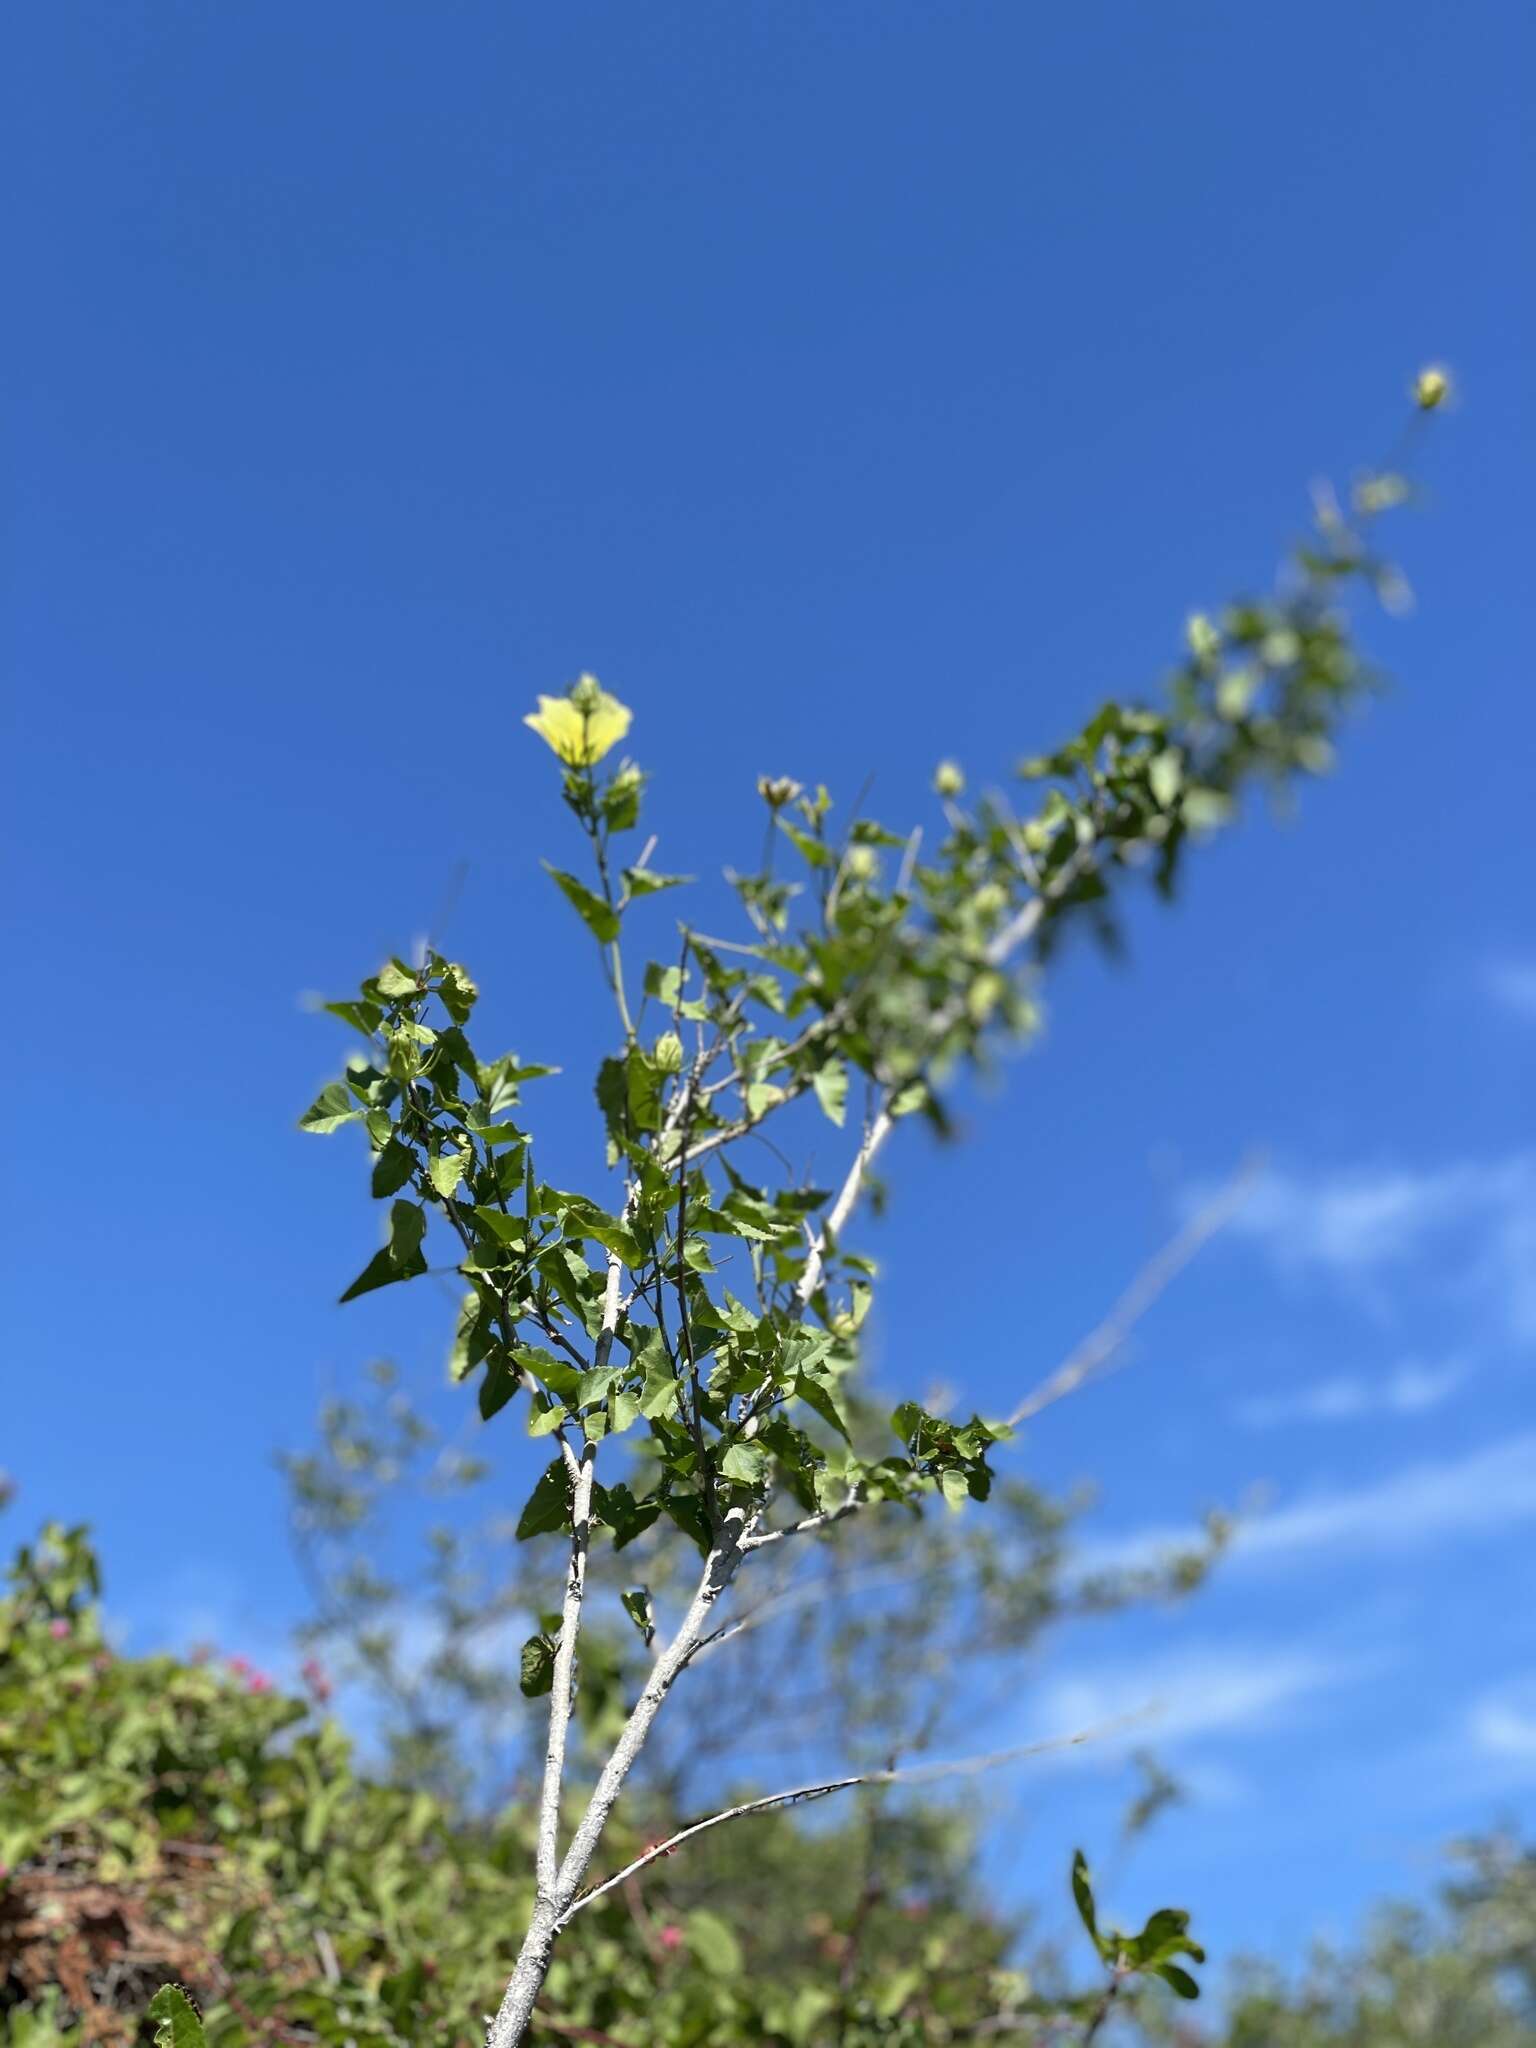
pixel 582 726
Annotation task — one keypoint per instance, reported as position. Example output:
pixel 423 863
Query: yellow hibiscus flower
pixel 582 726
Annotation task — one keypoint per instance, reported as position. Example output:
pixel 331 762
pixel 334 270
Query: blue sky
pixel 847 386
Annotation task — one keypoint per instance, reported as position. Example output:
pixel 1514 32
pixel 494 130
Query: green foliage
pixel 864 961
pixel 163 1819
pixel 870 969
pixel 1462 1977
pixel 176 2021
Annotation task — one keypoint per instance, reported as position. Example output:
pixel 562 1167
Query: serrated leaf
pixel 446 1171
pixel 457 992
pixel 175 2019
pixel 658 1396
pixel 395 979
pixel 745 1463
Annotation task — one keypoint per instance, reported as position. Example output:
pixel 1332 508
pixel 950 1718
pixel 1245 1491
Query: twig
pixel 1100 1345
pixel 803 1795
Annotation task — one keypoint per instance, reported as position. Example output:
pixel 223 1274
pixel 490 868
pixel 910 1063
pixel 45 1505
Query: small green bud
pixel 667 1053
pixel 948 779
pixel 862 863
pixel 1432 387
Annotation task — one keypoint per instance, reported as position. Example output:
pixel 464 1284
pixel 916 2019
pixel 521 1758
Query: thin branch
pixel 563 1682
pixel 1095 1351
pixel 823 1520
pixel 803 1795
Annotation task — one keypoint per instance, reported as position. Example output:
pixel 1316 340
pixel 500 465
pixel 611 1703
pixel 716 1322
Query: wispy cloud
pixel 1511 983
pixel 1409 1389
pixel 1502 1722
pixel 1490 1489
pixel 1203 1690
pixel 1468 1228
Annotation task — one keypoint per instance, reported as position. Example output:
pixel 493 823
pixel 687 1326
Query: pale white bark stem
pixel 510 2025
pixel 562 1691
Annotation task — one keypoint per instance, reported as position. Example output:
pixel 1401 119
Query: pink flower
pixel 315 1678
pixel 241 1666
pixel 671 1936
pixel 5 1870
pixel 58 1628
pixel 258 1682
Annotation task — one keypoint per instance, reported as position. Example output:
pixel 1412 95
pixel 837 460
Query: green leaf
pixel 498 1386
pixel 911 1097
pixel 544 1421
pixel 1082 1892
pixel 331 1108
pixel 363 1017
pixel 658 1396
pixel 819 855
pixel 664 983
pixel 175 2019
pixel 820 1397
pixel 458 992
pixel 548 1507
pixel 712 1944
pixel 536 1667
pixel 446 1171
pixel 831 1085
pixel 396 980
pixel 745 1463
pixel 392 1168
pixel 401 1258
pixel 599 918
pixel 642 882
pixel 1179 1980
pixel 508 1229
pixel 638 1606
pixel 955 1487
pixel 1168 1924
pixel 1205 809
pixel 1165 776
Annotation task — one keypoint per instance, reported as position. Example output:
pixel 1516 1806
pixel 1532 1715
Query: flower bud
pixel 777 790
pixel 1431 388
pixel 667 1053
